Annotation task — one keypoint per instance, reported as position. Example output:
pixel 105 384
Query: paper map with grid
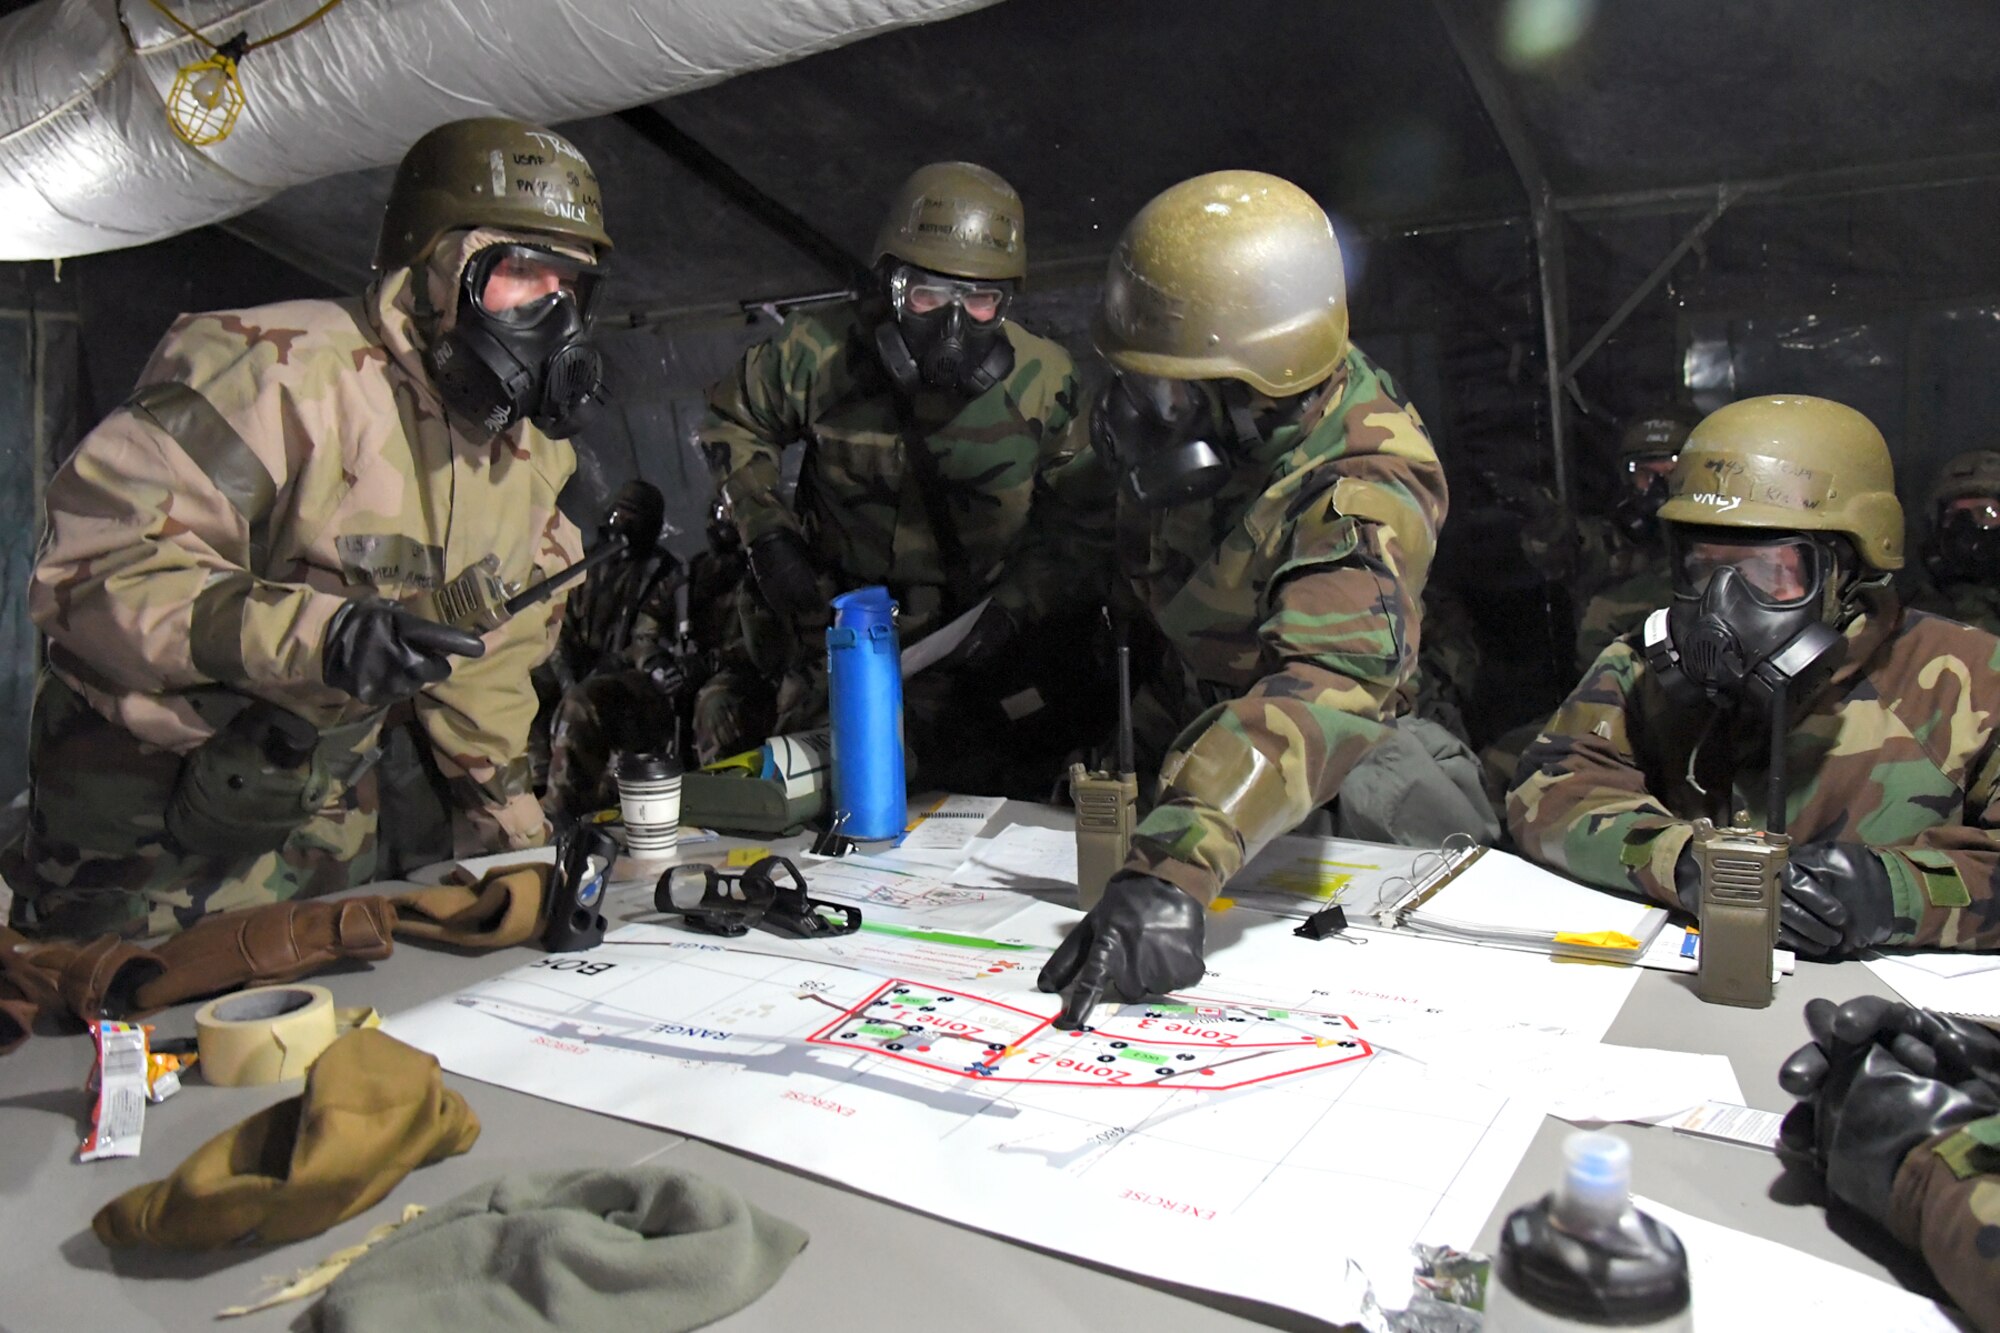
pixel 919 1065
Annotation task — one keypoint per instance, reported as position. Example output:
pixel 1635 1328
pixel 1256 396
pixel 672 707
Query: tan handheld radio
pixel 1741 871
pixel 1107 803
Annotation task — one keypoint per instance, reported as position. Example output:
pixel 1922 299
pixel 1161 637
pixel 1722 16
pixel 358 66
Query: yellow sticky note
pixel 745 856
pixel 1602 939
pixel 1222 904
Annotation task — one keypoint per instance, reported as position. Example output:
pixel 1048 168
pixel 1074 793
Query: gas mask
pixel 520 347
pixel 945 334
pixel 1636 511
pixel 1749 616
pixel 1168 440
pixel 638 514
pixel 1964 545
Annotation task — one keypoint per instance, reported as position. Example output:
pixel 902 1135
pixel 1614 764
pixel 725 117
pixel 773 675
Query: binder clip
pixel 771 894
pixel 1326 922
pixel 831 843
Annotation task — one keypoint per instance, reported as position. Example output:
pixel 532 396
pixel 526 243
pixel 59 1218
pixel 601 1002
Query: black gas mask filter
pixel 1169 441
pixel 944 333
pixel 1749 619
pixel 501 363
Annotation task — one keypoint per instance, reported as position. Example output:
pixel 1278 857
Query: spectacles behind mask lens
pixel 770 893
pixel 915 292
pixel 1164 436
pixel 521 284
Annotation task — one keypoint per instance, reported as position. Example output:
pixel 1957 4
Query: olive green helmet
pixel 958 219
pixel 1973 473
pixel 489 172
pixel 1656 435
pixel 1232 275
pixel 1791 463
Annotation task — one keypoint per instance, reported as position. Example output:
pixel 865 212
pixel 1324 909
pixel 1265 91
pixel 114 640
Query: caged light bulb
pixel 209 87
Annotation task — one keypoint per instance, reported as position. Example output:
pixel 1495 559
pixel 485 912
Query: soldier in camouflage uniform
pixel 1274 508
pixel 930 423
pixel 1959 575
pixel 1785 532
pixel 237 581
pixel 613 656
pixel 1899 1113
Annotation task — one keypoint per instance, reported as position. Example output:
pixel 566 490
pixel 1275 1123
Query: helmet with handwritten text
pixel 489 172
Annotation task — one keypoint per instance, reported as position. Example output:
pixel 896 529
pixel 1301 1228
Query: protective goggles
pixel 1780 571
pixel 521 284
pixel 770 893
pixel 915 292
pixel 1650 467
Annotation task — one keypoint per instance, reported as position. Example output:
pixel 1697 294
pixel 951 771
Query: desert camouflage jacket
pixel 1291 605
pixel 273 463
pixel 819 381
pixel 1900 751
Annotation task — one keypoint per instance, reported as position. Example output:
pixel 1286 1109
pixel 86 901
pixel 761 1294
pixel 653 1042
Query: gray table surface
pixel 55 1275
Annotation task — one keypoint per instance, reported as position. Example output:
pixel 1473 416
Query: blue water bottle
pixel 865 683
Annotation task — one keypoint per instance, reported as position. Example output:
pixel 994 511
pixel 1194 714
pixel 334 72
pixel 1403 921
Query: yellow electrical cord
pixel 206 98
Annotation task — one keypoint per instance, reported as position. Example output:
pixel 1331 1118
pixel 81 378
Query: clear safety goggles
pixel 522 283
pixel 1976 511
pixel 916 292
pixel 1780 571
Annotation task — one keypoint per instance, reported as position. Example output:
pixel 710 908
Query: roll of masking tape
pixel 264 1035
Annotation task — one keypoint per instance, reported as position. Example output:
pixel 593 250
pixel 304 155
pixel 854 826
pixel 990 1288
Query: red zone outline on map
pixel 991 1067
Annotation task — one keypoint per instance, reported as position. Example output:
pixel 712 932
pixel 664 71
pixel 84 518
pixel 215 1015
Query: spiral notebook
pixel 1463 892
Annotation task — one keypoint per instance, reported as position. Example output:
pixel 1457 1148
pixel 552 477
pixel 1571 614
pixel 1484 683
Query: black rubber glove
pixel 1687 880
pixel 1836 900
pixel 783 570
pixel 990 636
pixel 1143 938
pixel 1862 1107
pixel 380 653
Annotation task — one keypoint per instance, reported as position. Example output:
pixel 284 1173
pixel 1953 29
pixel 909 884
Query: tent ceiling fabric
pixel 1090 109
pixel 88 160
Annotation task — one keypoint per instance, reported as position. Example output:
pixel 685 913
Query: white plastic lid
pixel 1597 1180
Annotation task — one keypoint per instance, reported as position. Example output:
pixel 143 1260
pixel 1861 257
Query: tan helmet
pixel 1791 463
pixel 959 219
pixel 1973 473
pixel 1655 435
pixel 1232 275
pixel 489 172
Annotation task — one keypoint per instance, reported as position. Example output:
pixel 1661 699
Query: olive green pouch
pixel 734 802
pixel 247 788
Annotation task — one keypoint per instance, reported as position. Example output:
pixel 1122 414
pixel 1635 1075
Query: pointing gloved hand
pixel 1143 938
pixel 1836 900
pixel 1878 1079
pixel 783 570
pixel 381 654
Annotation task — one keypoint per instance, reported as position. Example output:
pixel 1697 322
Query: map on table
pixel 919 1064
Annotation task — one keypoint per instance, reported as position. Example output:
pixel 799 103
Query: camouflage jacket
pixel 1621 607
pixel 1900 751
pixel 621 615
pixel 1946 1207
pixel 273 463
pixel 1291 605
pixel 819 380
pixel 1972 603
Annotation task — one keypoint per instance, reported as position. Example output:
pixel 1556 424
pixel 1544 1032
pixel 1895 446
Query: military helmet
pixel 1973 473
pixel 489 172
pixel 1655 435
pixel 1791 463
pixel 958 219
pixel 1232 275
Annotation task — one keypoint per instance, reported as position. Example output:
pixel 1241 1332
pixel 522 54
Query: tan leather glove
pixel 503 908
pixel 373 1110
pixel 89 979
pixel 264 945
